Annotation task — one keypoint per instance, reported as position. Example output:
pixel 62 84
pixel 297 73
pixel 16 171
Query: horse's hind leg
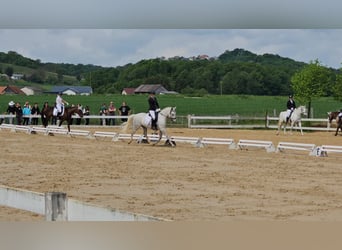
pixel 133 132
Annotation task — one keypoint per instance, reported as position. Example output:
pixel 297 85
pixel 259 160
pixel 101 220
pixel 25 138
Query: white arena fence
pixel 196 141
pixel 56 206
pixel 194 121
pixel 244 122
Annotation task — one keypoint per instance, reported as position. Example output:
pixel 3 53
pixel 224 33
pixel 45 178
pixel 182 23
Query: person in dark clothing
pixel 18 113
pixel 153 109
pixel 124 110
pixel 35 111
pixel 86 112
pixel 291 105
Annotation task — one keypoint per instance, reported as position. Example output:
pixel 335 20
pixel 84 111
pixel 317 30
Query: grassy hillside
pixel 29 71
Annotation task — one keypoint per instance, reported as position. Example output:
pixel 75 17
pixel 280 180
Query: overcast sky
pixel 117 47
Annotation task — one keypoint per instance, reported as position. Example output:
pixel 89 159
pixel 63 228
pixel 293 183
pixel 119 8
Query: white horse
pixel 143 120
pixel 294 119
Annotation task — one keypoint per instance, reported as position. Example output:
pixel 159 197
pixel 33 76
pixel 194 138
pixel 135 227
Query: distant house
pixel 10 90
pixel 147 88
pixel 17 76
pixel 31 90
pixel 72 90
pixel 128 91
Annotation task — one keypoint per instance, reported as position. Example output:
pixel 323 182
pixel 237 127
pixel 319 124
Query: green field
pixel 209 105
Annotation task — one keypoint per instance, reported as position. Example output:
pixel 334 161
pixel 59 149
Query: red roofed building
pixel 10 90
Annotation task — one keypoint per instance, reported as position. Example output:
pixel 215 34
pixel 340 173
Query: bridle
pixel 169 114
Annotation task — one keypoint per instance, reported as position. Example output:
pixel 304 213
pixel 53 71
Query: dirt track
pixel 182 183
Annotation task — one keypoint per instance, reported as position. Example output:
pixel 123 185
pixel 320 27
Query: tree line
pixel 233 72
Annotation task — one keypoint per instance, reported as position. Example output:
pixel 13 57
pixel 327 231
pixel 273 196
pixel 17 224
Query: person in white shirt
pixel 60 104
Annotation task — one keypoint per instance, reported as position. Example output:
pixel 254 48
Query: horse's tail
pixel 127 125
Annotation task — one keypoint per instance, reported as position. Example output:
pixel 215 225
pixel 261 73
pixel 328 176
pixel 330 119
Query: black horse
pixel 47 113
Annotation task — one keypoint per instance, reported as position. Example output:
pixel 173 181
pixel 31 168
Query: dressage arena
pixel 182 183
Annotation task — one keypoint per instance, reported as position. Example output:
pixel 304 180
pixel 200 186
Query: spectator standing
pixel 86 112
pixel 111 112
pixel 11 111
pixel 18 113
pixel 78 119
pixel 124 110
pixel 103 112
pixel 35 111
pixel 26 113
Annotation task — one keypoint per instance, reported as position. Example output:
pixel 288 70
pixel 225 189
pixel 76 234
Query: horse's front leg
pixel 339 126
pixel 285 128
pixel 291 129
pixel 300 127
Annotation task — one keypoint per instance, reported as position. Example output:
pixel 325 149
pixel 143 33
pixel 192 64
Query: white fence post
pixel 56 206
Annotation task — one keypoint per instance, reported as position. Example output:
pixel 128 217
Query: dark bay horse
pixel 47 113
pixel 339 125
pixel 331 116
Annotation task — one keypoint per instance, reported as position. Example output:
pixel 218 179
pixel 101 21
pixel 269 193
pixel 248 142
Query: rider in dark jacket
pixel 153 109
pixel 291 105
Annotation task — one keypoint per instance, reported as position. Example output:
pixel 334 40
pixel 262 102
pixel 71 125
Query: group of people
pixel 22 114
pixel 123 110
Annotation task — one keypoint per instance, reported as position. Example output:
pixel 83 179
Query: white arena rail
pixel 22 128
pixel 324 149
pixel 219 141
pixel 297 146
pixel 36 130
pixel 56 130
pixel 79 132
pixel 268 145
pixel 102 134
pixel 58 207
pixel 7 126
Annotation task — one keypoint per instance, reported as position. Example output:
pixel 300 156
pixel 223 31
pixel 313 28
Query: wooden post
pixel 56 204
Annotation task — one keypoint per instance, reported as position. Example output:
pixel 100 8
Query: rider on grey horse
pixel 291 105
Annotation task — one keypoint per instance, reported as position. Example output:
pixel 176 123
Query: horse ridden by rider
pixel 143 120
pixel 295 119
pixel 60 111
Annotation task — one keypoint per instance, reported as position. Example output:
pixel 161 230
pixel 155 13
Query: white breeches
pixel 288 112
pixel 152 114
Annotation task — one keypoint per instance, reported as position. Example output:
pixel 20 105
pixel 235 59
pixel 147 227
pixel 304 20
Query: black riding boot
pixel 154 125
pixel 287 119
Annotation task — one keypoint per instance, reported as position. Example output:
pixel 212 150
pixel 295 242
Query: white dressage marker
pixel 324 149
pixel 297 146
pixel 268 145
